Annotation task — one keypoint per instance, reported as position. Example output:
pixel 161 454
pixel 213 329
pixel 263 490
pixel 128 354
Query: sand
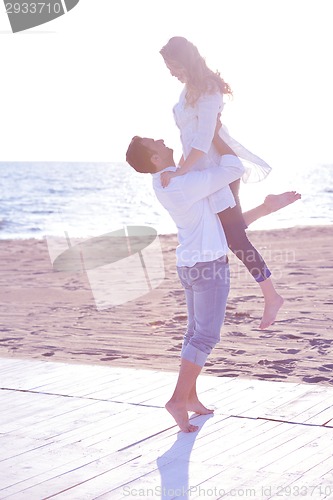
pixel 52 315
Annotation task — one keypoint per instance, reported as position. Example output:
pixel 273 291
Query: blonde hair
pixel 200 79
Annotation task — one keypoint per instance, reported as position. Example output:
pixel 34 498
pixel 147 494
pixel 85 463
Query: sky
pixel 79 87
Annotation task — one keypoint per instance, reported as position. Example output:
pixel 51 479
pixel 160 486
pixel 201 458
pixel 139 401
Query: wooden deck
pixel 82 432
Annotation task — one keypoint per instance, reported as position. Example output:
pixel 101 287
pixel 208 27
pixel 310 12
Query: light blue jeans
pixel 206 287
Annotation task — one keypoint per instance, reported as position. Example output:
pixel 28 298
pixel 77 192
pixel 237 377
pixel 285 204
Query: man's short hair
pixel 139 156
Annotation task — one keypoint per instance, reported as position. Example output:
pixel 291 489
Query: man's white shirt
pixel 200 233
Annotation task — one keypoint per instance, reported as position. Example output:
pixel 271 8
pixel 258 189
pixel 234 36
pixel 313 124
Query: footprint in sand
pixel 289 351
pixel 321 345
pixel 281 366
pixel 245 298
pixel 156 323
pixel 224 372
pixel 265 376
pixel 111 358
pixel 235 353
pixel 174 349
pixel 268 333
pixel 8 339
pixel 315 380
pixel 180 317
pixel 323 369
pixel 289 336
pixel 236 334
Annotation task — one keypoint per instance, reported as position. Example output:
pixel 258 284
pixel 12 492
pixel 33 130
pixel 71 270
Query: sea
pixel 91 199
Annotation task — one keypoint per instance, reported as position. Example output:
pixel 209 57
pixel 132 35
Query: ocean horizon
pixel 88 199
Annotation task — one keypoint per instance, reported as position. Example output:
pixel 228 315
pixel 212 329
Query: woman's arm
pixel 194 156
pixel 185 166
pixel 208 107
pixel 181 161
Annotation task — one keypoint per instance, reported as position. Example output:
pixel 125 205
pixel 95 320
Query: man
pixel 202 262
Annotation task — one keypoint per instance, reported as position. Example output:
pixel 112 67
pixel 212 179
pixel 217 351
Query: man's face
pixel 159 148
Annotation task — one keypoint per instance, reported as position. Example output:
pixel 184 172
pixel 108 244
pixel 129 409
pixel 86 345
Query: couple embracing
pixel 201 195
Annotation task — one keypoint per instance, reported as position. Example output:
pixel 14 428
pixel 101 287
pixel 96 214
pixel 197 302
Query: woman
pixel 197 115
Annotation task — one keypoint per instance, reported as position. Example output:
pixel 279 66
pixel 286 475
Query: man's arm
pixel 200 184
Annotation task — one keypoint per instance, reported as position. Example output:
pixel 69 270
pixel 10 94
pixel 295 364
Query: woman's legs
pixel 272 203
pixel 273 302
pixel 235 231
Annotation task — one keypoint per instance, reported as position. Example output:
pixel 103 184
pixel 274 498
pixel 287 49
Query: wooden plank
pixel 300 449
pixel 136 390
pixel 321 448
pixel 69 473
pixel 57 459
pixel 27 381
pixel 320 467
pixel 280 450
pixel 83 445
pixel 21 446
pixel 166 460
pixel 77 384
pixel 304 406
pixel 317 488
pixel 39 411
pixel 105 427
pixel 239 482
pixel 321 413
pixel 249 446
pixel 255 396
pixel 133 452
pixel 174 477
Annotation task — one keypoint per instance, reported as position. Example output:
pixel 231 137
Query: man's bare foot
pixel 275 202
pixel 196 406
pixel 270 311
pixel 180 415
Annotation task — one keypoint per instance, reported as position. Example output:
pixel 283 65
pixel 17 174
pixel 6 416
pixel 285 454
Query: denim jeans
pixel 206 287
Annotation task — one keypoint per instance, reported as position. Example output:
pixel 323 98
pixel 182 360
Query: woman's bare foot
pixel 270 311
pixel 275 202
pixel 179 413
pixel 196 406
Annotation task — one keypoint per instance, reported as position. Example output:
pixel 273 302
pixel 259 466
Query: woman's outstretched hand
pixel 166 177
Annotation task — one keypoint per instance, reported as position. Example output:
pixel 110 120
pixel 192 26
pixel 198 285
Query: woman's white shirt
pixel 197 126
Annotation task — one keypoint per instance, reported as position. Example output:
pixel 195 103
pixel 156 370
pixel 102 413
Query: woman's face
pixel 177 70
